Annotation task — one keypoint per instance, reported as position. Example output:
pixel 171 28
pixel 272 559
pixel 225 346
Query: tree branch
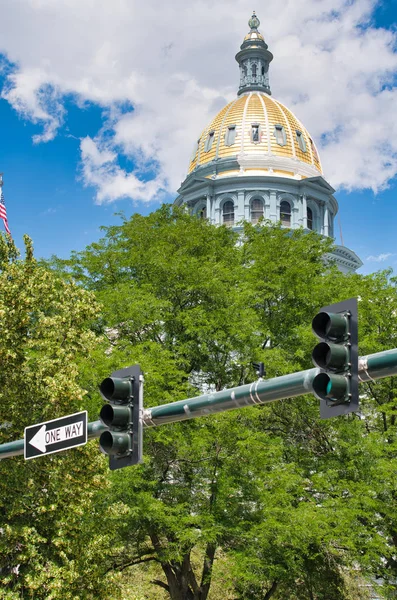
pixel 137 560
pixel 160 584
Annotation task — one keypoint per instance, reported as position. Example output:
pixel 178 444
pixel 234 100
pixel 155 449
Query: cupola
pixel 253 59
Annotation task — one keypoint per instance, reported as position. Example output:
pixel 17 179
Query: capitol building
pixel 256 159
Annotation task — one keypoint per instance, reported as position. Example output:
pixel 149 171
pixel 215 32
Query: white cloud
pixel 380 257
pixel 100 170
pixel 174 63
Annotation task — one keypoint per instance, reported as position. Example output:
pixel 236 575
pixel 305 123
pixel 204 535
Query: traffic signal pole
pixel 370 367
pixel 373 366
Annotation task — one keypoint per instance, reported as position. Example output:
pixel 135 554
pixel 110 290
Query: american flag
pixel 3 212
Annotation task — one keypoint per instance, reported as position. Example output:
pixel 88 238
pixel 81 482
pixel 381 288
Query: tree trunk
pixel 272 590
pixel 207 571
pixel 181 580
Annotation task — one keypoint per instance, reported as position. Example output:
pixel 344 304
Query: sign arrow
pixel 56 435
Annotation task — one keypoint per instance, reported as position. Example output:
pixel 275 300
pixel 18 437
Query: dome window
pixel 279 134
pixel 301 140
pixel 255 134
pixel 228 213
pixel 230 136
pixel 196 147
pixel 285 213
pixel 256 210
pixel 253 69
pixel 209 141
pixel 314 150
pixel 309 218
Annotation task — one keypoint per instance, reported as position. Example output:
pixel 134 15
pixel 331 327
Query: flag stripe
pixel 3 213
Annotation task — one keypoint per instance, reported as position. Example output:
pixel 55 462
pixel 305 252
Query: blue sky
pixel 116 126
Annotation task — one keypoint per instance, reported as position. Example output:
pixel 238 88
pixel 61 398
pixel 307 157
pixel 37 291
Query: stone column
pixel 295 209
pixel 216 211
pixel 304 211
pixel 273 216
pixel 209 209
pixel 321 217
pixel 240 212
pixel 266 199
pixel 326 228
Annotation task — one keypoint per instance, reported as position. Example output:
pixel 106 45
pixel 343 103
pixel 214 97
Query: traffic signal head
pixel 337 355
pixel 122 415
pixel 116 388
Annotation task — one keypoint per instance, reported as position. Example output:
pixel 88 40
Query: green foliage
pixel 195 308
pixel 49 541
pixel 265 502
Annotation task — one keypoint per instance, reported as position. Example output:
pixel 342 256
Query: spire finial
pixel 254 22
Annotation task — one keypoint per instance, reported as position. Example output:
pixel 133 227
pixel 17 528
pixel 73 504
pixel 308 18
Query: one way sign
pixel 56 435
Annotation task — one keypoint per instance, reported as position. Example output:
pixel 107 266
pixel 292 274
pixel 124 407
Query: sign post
pixel 56 435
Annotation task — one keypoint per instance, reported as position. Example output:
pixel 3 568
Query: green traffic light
pixel 331 387
pixel 337 357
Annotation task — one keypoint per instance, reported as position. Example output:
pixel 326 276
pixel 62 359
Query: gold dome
pixel 268 140
pixel 254 35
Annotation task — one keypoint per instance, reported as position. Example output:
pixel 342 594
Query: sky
pixel 102 102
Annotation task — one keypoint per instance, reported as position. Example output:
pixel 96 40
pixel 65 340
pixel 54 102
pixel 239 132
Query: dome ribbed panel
pixel 289 129
pixel 277 117
pixel 206 157
pixel 297 125
pixel 233 117
pixel 255 116
pixel 266 131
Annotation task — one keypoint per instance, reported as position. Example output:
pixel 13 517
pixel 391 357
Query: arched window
pixel 256 210
pixel 228 213
pixel 309 218
pixel 285 213
pixel 254 70
pixel 202 212
pixel 263 70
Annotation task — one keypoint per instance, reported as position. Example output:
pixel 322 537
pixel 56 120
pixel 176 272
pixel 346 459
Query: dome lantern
pixel 253 59
pixel 254 22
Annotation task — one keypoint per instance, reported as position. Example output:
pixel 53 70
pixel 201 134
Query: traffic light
pixel 123 391
pixel 337 355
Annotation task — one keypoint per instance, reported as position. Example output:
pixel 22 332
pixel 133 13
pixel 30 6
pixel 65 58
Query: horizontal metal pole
pixel 11 449
pixel 373 366
pixel 258 392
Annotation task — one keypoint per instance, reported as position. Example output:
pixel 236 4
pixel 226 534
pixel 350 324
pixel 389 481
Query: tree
pixel 50 544
pixel 195 308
